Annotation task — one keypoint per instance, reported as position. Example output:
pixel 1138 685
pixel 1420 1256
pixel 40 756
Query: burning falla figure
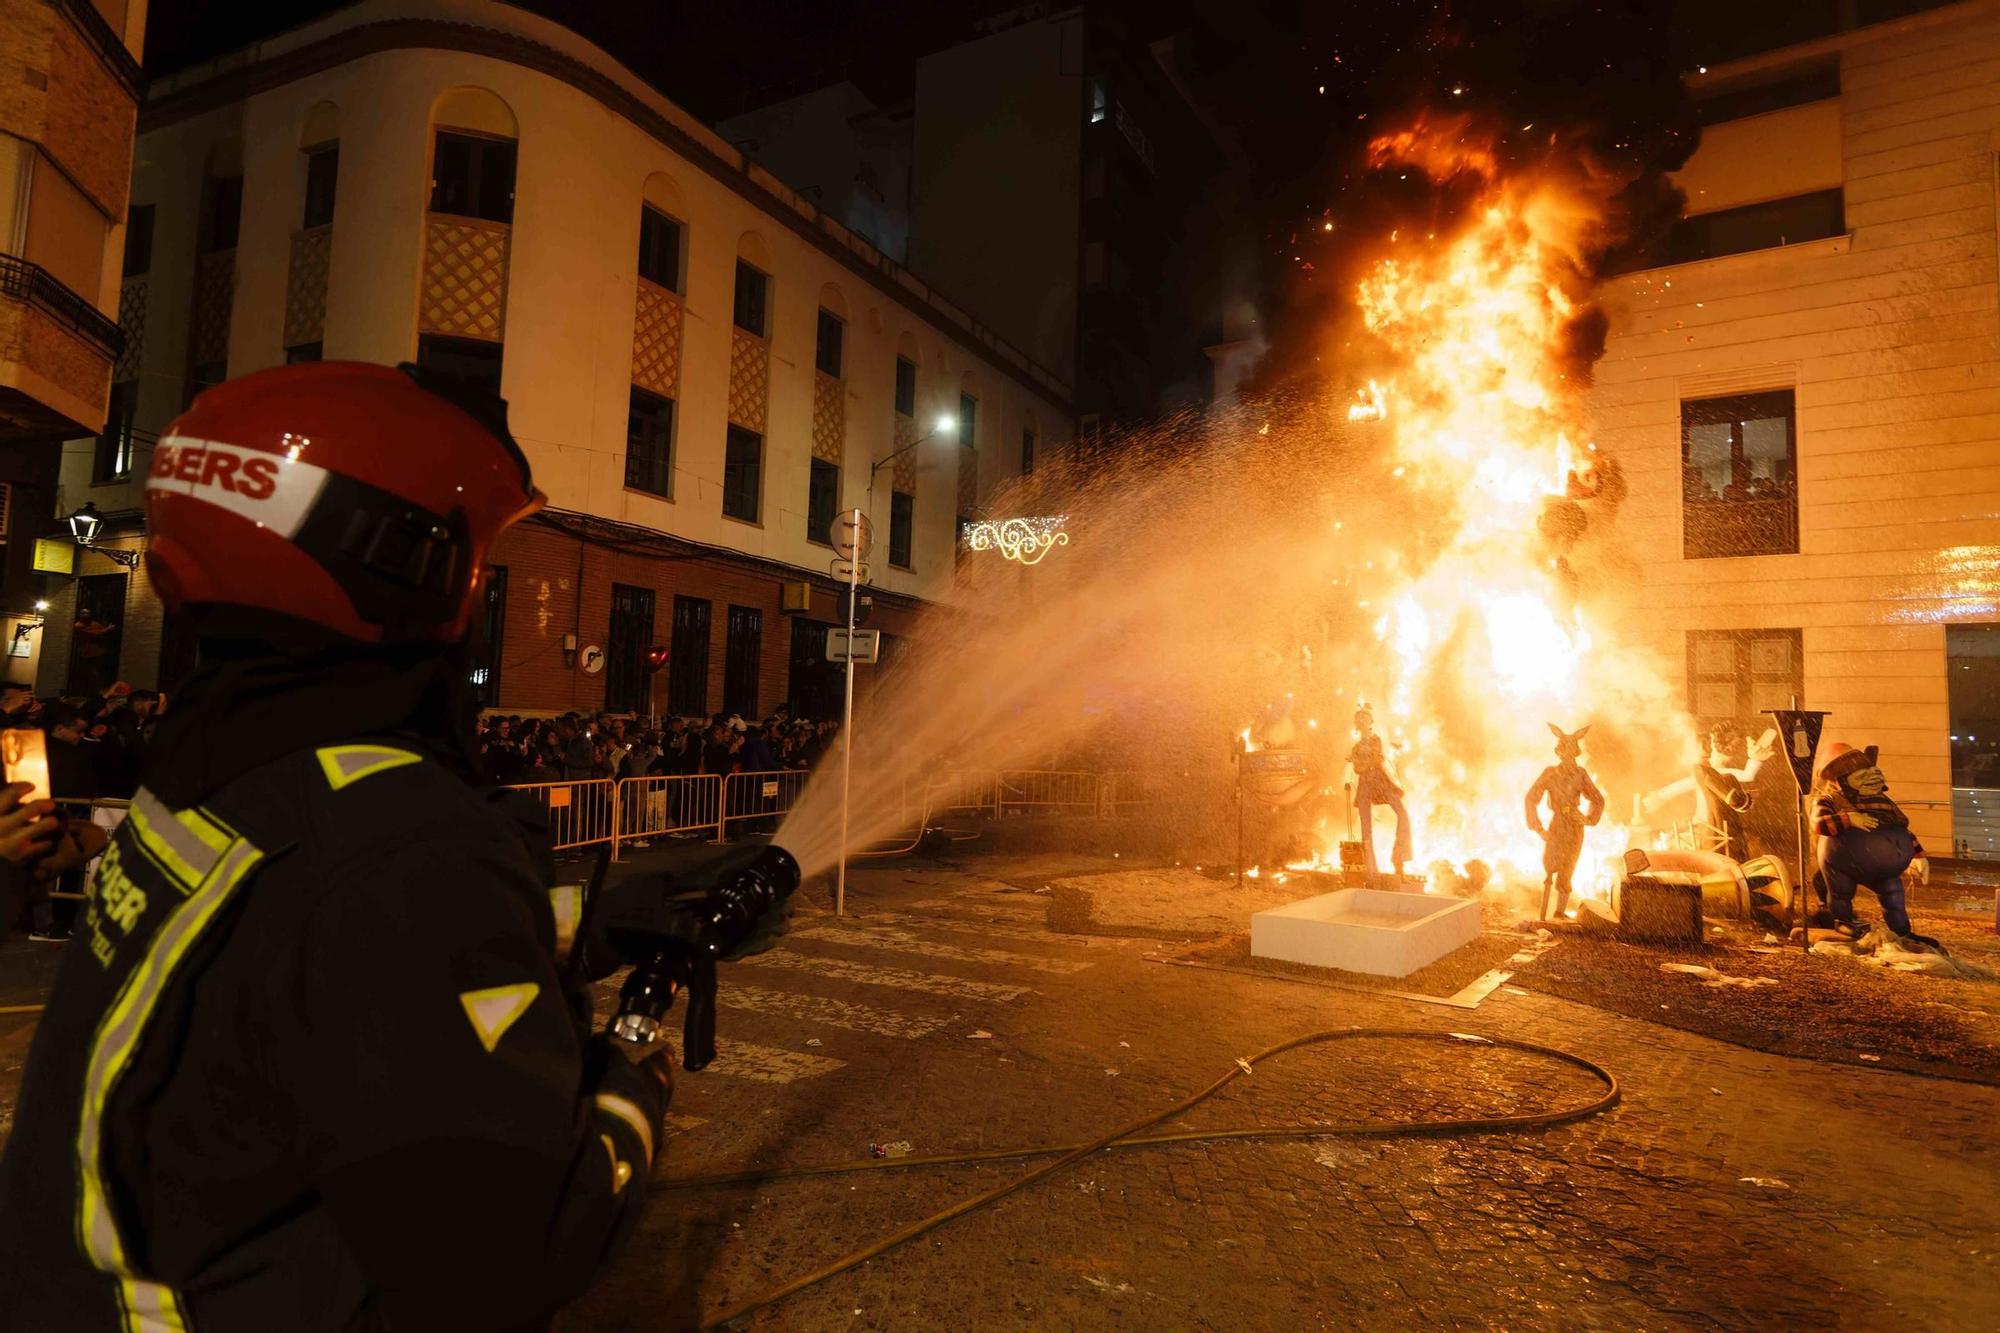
pixel 1567 787
pixel 1372 787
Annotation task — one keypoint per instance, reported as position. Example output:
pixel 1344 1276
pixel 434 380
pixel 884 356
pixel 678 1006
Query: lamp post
pixel 84 526
pixel 946 425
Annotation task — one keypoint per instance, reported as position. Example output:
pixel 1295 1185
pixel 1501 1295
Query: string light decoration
pixel 1024 540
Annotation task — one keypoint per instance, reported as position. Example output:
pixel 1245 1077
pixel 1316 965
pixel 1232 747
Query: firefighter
pixel 309 1062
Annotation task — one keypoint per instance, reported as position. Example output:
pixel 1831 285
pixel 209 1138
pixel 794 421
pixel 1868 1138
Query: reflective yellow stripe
pixel 115 1041
pixel 621 1172
pixel 634 1119
pixel 150 1307
pixel 566 901
pixel 345 765
pixel 186 845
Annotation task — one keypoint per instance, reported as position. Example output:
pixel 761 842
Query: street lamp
pixel 946 425
pixel 84 526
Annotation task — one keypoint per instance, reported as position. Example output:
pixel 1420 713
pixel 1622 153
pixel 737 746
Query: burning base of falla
pixel 1484 577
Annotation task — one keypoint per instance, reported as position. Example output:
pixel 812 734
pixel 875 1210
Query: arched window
pixel 468 239
pixel 473 156
pixel 663 234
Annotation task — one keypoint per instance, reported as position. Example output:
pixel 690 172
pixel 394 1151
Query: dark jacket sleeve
pixel 480 1158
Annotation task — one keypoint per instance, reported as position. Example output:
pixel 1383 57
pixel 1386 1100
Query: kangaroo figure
pixel 1567 787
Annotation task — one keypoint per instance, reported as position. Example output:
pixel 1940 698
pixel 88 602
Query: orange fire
pixel 1498 606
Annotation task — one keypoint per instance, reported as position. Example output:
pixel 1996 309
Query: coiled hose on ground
pixel 1134 1135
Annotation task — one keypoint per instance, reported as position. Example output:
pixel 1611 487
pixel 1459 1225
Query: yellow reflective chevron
pixel 345 765
pixel 149 1306
pixel 566 902
pixel 185 844
pixel 494 1009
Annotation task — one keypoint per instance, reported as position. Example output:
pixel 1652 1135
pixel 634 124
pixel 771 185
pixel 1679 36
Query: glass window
pixel 649 443
pixel 826 354
pixel 742 473
pixel 968 421
pixel 659 249
pixel 222 211
pixel 1027 451
pixel 902 525
pixel 311 351
pixel 473 176
pixel 822 499
pixel 752 293
pixel 687 664
pixel 467 358
pixel 138 240
pixel 322 175
pixel 906 386
pixel 1733 231
pixel 743 658
pixel 1739 476
pixel 626 642
pixel 113 461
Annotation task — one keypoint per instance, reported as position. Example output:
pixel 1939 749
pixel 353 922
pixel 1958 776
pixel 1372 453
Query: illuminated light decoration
pixel 1023 540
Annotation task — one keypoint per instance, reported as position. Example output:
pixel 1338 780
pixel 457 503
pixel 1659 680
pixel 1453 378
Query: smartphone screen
pixel 24 752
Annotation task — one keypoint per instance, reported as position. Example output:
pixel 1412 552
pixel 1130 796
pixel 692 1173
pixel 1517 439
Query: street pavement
pixel 1730 1188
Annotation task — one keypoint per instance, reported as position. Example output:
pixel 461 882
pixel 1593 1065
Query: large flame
pixel 1491 603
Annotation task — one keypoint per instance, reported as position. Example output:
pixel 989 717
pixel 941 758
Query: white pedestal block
pixel 1385 934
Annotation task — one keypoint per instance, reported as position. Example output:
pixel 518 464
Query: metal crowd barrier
pixel 659 807
pixel 751 796
pixel 1022 790
pixel 582 813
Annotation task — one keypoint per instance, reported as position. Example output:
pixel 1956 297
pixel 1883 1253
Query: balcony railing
pixel 35 285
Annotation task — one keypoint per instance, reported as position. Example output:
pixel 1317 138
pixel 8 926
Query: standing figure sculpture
pixel 1372 787
pixel 1567 787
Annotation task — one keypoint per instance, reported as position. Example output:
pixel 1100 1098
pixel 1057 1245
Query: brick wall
pixel 546 569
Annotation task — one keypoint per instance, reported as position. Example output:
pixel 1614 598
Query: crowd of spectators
pixel 576 747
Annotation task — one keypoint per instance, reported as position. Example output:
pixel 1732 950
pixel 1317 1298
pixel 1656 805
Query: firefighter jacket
pixel 308 1065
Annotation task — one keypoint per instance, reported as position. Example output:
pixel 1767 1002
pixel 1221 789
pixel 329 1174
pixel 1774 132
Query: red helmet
pixel 358 497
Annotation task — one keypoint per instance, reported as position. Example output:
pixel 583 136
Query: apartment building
pixel 1805 394
pixel 69 88
pixel 702 366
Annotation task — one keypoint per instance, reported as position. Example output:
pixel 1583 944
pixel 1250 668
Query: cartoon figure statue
pixel 1864 838
pixel 1566 786
pixel 1722 795
pixel 1372 787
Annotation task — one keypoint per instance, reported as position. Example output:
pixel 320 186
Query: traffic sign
pixel 853 535
pixel 848 572
pixel 867 645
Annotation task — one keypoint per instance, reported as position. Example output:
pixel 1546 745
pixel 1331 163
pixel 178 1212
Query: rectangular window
pixel 468 358
pixel 1735 231
pixel 1792 89
pixel 1734 675
pixel 817 684
pixel 659 249
pixel 958 538
pixel 822 499
pixel 687 662
pixel 322 176
pixel 113 461
pixel 649 444
pixel 626 643
pixel 902 526
pixel 221 212
pixel 1027 451
pixel 1972 692
pixel 312 351
pixel 968 421
pixel 826 352
pixel 742 474
pixel 1739 476
pixel 906 386
pixel 492 634
pixel 138 240
pixel 740 664
pixel 752 290
pixel 473 176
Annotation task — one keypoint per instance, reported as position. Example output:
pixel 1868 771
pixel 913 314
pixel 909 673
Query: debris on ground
pixel 900 1148
pixel 1710 977
pixel 1885 948
pixel 1764 1182
pixel 981 1035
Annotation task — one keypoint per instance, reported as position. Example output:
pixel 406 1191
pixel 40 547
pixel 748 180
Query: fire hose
pixel 1134 1135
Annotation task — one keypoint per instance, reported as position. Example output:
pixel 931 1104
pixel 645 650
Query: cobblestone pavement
pixel 943 1014
pixel 1879 1206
